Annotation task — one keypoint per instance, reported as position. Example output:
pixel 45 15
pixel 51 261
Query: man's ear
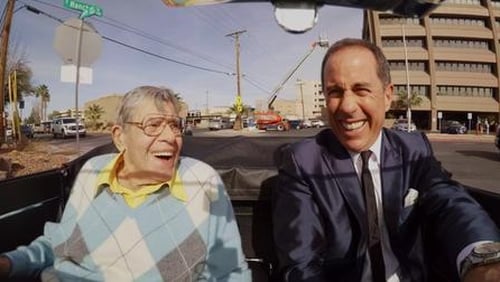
pixel 117 135
pixel 388 96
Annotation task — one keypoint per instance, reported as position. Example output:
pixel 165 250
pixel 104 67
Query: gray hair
pixel 383 70
pixel 132 100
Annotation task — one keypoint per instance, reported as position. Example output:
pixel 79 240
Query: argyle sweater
pixel 100 238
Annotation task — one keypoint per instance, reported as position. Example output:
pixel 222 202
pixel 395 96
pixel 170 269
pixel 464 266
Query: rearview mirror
pixel 296 17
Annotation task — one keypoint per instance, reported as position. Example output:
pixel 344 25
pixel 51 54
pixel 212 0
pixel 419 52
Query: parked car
pixel 307 123
pixel 27 131
pixel 219 123
pixel 317 123
pixel 296 124
pixel 453 127
pixel 402 125
pixel 67 127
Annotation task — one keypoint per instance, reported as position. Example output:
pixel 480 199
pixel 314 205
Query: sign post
pixel 469 117
pixel 86 11
pixel 440 116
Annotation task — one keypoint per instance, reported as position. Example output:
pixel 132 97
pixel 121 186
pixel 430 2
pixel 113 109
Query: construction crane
pixel 322 43
pixel 270 119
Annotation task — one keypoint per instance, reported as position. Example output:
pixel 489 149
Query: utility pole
pixel 300 83
pixel 206 105
pixel 239 103
pixel 3 63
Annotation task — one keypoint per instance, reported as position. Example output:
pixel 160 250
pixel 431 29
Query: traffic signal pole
pixel 3 63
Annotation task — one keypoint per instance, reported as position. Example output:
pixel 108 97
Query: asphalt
pixel 433 136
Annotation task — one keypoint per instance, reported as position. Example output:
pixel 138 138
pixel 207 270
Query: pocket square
pixel 411 197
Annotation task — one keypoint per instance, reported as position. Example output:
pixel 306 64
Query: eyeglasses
pixel 154 125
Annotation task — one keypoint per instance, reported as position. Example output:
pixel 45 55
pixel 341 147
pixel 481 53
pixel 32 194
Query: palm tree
pixel 402 101
pixel 246 109
pixel 93 113
pixel 42 92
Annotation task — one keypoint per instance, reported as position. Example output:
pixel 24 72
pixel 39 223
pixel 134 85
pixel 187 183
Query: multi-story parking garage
pixel 450 58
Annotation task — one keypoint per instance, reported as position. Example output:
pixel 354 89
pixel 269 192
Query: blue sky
pixel 194 35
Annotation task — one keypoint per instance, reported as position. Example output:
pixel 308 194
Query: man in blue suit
pixel 363 203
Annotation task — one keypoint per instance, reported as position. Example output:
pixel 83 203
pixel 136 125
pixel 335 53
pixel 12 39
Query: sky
pixel 196 36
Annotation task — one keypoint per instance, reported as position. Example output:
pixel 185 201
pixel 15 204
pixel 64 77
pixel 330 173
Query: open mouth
pixel 353 125
pixel 164 155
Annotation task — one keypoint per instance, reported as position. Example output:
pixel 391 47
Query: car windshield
pixel 69 120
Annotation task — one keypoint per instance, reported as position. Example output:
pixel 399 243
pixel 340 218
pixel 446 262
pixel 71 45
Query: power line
pixel 128 28
pixel 165 58
pixel 38 11
pixel 133 30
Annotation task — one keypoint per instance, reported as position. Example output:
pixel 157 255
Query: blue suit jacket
pixel 319 221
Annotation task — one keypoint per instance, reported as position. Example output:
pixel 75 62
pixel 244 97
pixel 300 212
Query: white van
pixel 219 123
pixel 67 127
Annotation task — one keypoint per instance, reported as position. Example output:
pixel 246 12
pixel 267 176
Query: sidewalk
pixel 433 136
pixel 461 137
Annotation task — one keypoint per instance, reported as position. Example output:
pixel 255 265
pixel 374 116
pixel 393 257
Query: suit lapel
pixel 346 178
pixel 391 166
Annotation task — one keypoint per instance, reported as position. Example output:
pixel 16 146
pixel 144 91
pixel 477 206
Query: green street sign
pixel 86 9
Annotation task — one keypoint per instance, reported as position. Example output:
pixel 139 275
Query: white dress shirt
pixel 390 261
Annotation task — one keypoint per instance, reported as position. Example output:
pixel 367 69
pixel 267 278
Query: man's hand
pixel 4 267
pixel 484 273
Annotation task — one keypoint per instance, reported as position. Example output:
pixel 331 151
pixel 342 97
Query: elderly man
pixel 144 214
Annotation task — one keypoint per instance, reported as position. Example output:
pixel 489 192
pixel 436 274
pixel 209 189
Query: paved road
pixel 473 160
pixel 476 164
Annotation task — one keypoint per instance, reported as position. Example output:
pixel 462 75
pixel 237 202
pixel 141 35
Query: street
pixel 476 164
pixel 473 160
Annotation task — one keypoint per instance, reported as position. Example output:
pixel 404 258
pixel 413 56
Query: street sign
pixel 469 116
pixel 66 40
pixel 78 58
pixel 86 9
pixel 440 115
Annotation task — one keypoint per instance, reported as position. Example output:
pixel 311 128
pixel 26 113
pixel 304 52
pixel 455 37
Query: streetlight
pixel 408 111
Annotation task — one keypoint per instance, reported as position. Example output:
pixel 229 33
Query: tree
pixel 247 110
pixel 54 115
pixel 42 92
pixel 23 76
pixel 93 114
pixel 402 102
pixel 34 117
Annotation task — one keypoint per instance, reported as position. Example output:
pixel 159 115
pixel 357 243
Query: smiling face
pixel 147 159
pixel 356 98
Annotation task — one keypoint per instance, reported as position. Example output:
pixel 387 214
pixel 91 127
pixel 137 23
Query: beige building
pixel 109 105
pixel 310 100
pixel 450 58
pixel 308 103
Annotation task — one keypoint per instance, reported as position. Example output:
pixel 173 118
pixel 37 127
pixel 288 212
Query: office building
pixel 449 58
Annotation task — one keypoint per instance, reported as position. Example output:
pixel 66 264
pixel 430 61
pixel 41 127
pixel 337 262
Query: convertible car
pixel 249 177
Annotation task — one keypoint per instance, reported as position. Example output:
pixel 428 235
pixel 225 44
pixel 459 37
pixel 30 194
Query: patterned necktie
pixel 374 247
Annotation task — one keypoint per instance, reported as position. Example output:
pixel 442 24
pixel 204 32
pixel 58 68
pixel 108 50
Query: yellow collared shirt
pixel 134 198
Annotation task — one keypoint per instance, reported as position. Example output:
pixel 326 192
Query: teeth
pixel 353 125
pixel 163 154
